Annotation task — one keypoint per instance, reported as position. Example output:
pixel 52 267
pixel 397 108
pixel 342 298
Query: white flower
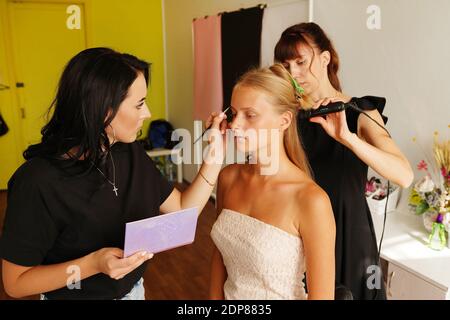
pixel 424 185
pixel 446 221
pixel 429 218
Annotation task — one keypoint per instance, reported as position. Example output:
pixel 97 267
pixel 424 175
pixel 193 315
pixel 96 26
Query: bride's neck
pixel 278 162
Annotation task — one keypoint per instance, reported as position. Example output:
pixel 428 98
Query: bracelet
pixel 211 184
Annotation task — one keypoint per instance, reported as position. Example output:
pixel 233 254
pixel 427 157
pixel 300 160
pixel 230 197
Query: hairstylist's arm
pixel 198 193
pixel 318 232
pixel 371 144
pixel 20 281
pixel 380 152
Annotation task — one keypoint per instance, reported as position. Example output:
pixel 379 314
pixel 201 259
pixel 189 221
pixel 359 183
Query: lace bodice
pixel 262 261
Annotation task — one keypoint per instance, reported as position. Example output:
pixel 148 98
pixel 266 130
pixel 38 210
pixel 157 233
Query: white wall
pixel 407 61
pixel 179 58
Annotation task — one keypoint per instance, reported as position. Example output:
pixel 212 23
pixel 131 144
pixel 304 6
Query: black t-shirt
pixel 54 216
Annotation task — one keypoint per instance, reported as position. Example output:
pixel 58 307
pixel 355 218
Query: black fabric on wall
pixel 241 46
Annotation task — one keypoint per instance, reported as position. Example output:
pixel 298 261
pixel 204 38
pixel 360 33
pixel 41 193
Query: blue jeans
pixel 136 293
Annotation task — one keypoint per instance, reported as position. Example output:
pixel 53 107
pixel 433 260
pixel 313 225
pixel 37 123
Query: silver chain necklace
pixel 113 183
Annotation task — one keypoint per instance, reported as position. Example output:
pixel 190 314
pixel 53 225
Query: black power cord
pixel 355 107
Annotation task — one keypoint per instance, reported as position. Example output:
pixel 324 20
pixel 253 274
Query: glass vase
pixel 437 239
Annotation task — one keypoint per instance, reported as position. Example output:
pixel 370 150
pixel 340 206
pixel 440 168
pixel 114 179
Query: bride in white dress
pixel 272 228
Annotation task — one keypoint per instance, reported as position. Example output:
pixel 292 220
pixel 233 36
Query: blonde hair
pixel 276 83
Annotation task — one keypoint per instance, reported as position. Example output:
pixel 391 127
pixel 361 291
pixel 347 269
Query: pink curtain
pixel 208 92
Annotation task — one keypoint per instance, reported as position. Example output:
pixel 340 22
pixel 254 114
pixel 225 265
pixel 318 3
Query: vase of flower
pixel 437 239
pixel 430 196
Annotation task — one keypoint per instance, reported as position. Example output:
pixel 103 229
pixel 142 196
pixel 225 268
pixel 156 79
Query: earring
pixel 114 134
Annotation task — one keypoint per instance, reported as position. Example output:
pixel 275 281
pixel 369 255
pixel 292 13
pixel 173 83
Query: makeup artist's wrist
pixel 210 173
pixel 210 182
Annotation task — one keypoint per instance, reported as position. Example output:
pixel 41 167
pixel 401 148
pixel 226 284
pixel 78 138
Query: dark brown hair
pixel 92 86
pixel 309 34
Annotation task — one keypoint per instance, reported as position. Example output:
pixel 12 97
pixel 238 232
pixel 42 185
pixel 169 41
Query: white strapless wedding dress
pixel 262 261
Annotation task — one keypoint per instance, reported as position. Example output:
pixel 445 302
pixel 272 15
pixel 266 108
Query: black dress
pixel 343 176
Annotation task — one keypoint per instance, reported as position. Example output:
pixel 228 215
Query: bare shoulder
pixel 311 195
pixel 226 178
pixel 312 202
pixel 228 174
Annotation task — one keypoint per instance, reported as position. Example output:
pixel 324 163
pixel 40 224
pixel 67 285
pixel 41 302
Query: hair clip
pixel 295 84
pixel 297 87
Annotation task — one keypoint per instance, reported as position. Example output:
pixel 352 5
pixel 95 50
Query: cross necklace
pixel 113 183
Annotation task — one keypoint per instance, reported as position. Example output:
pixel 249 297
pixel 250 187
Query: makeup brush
pixel 224 112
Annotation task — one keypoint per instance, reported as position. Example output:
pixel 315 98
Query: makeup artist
pixel 68 203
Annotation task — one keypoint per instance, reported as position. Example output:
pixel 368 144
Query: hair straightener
pixel 324 110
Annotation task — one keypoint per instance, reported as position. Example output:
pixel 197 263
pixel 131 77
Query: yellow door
pixel 44 37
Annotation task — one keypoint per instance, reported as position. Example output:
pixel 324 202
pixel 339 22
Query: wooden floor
pixel 181 273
